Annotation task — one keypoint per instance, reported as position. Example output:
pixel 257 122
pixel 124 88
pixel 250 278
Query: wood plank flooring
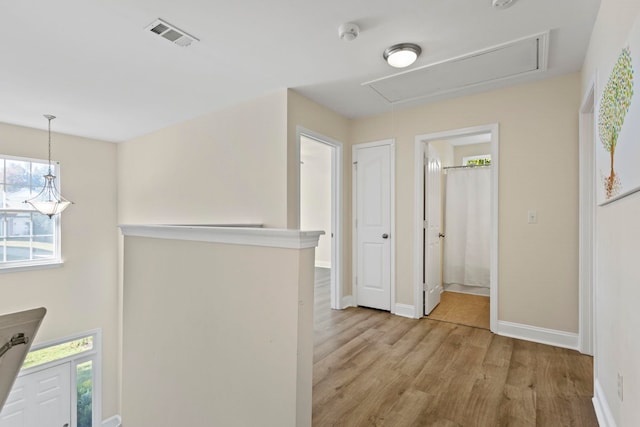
pixel 372 368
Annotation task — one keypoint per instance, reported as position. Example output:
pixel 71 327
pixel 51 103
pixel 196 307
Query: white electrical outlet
pixel 620 387
pixel 532 217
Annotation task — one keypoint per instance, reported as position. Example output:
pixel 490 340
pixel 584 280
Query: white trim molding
pixel 235 235
pixel 405 310
pixel 337 210
pixel 587 217
pixel 601 406
pixel 347 301
pixel 540 335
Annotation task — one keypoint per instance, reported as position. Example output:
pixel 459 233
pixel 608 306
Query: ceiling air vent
pixel 171 33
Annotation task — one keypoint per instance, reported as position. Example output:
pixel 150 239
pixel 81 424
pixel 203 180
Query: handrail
pixel 17 339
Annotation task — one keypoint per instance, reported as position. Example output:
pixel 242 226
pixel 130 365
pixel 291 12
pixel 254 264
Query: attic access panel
pixel 489 65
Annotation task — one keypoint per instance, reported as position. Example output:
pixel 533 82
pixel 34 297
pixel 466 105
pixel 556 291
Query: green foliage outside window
pixel 479 162
pixel 85 393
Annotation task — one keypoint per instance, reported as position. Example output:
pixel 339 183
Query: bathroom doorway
pixel 466 216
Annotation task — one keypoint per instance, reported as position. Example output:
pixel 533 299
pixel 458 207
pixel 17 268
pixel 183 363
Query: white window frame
pixel 56 260
pixel 94 355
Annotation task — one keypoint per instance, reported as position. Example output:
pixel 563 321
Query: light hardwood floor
pixel 372 368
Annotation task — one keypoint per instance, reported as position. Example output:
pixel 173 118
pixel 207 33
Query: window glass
pixel 481 160
pixel 18 173
pixel 55 352
pixel 84 388
pixel 26 236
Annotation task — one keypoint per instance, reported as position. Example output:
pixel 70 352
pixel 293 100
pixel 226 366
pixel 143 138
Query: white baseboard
pixel 601 406
pixel 347 301
pixel 323 264
pixel 405 310
pixel 114 421
pixel 540 335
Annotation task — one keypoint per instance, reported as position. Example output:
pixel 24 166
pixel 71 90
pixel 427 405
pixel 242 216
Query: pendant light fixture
pixel 49 201
pixel 402 55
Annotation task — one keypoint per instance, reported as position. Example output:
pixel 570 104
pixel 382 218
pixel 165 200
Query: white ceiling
pixel 92 64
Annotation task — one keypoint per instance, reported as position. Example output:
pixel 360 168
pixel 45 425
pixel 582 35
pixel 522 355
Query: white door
pixel 41 399
pixel 433 213
pixel 373 225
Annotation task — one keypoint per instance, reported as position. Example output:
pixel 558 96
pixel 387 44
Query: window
pixel 483 159
pixel 82 353
pixel 63 350
pixel 27 238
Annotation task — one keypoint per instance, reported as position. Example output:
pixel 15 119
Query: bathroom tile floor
pixel 462 309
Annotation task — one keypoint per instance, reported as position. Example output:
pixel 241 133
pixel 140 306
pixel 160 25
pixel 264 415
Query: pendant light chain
pixel 49 144
pixel 50 117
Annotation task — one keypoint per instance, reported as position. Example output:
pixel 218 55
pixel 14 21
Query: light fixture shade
pixel 49 201
pixel 402 55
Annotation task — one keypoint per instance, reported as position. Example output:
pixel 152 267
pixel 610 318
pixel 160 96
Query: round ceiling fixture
pixel 402 55
pixel 348 31
pixel 502 4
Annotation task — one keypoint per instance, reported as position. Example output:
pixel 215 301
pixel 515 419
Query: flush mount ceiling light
pixel 49 201
pixel 502 4
pixel 402 55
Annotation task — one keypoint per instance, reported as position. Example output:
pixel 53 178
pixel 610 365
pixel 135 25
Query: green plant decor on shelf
pixel 614 104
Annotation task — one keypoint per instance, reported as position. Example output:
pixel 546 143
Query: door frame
pixel 336 208
pixel 587 219
pixel 392 217
pixel 420 143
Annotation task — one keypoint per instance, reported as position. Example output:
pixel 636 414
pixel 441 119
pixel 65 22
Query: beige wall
pixel 227 342
pixel 83 294
pixel 461 151
pixel 538 280
pixel 229 166
pixel 617 348
pixel 301 112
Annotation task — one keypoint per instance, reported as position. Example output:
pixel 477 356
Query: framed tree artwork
pixel 618 125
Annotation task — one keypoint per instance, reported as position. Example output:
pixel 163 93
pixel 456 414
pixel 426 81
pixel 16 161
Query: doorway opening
pixel 320 184
pixel 470 259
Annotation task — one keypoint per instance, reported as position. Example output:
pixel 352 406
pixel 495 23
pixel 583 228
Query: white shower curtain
pixel 467 226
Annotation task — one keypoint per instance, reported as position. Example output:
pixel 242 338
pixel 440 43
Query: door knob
pixel 385 236
pixel 66 425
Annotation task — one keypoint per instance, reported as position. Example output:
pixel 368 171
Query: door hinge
pixel 425 224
